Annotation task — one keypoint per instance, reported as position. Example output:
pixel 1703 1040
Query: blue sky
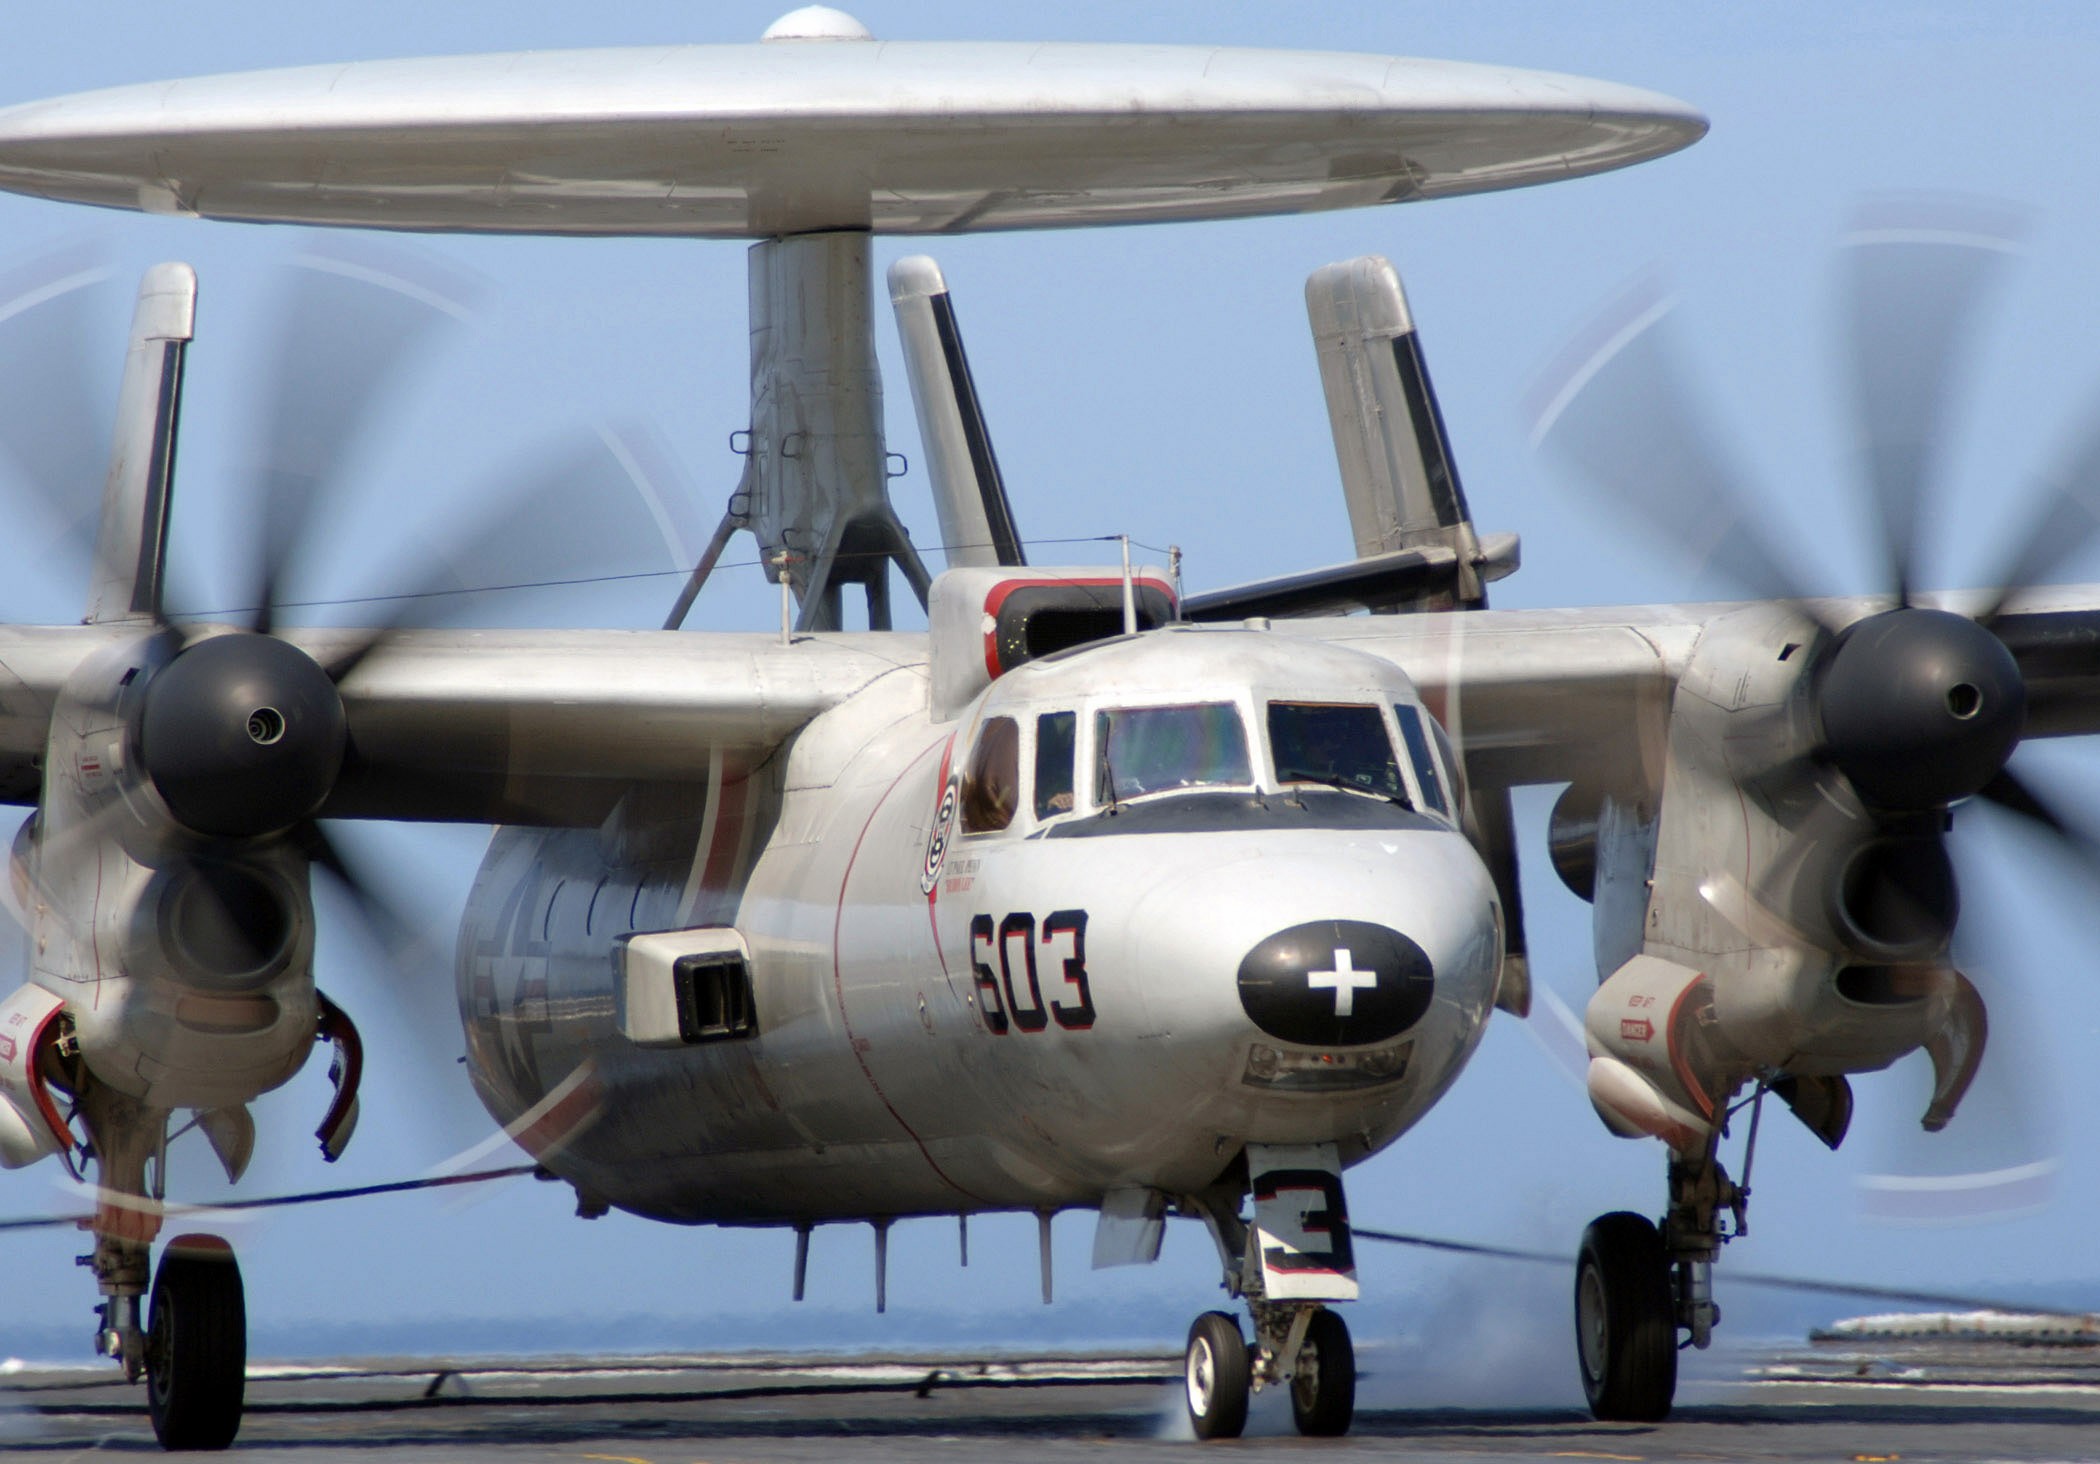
pixel 1161 382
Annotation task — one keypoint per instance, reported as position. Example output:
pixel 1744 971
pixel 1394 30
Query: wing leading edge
pixel 511 726
pixel 551 726
pixel 1541 696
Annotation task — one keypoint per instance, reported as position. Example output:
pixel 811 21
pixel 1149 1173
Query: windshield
pixel 1156 749
pixel 1346 746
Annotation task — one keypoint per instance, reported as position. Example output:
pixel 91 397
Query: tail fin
pixel 131 547
pixel 977 521
pixel 1397 474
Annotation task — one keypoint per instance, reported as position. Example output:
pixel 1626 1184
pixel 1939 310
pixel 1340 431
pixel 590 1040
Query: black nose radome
pixel 1336 983
pixel 242 734
pixel 1920 708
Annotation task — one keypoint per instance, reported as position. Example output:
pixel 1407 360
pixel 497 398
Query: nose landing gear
pixel 1287 1265
pixel 1221 1372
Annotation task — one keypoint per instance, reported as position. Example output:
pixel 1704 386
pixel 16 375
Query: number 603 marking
pixel 1013 996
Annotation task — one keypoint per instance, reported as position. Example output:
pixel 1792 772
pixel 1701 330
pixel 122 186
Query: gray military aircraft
pixel 1094 894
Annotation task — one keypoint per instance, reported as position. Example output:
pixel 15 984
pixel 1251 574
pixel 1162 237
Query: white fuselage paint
pixel 876 1084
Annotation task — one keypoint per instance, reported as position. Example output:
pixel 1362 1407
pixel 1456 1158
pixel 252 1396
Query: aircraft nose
pixel 1343 944
pixel 1336 983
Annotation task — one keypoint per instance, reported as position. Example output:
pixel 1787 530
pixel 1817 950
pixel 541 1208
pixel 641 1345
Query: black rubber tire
pixel 1625 1320
pixel 1323 1384
pixel 1216 1373
pixel 196 1345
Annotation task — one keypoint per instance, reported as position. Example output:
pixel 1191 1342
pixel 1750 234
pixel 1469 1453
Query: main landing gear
pixel 1299 1342
pixel 192 1350
pixel 1625 1319
pixel 1638 1287
pixel 190 1345
pixel 196 1345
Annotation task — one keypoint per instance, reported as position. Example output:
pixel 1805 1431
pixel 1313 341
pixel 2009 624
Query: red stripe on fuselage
pixel 838 983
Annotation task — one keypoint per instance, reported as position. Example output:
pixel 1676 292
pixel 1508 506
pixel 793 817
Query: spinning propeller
pixel 1916 707
pixel 239 728
pixel 1907 711
pixel 240 732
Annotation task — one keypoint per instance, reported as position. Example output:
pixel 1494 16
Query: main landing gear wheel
pixel 1625 1320
pixel 1218 1375
pixel 196 1345
pixel 1323 1384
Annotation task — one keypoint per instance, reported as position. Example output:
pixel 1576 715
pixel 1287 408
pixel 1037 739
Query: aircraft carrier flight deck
pixel 1918 1398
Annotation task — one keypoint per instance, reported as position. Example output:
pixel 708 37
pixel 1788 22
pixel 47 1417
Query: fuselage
pixel 1140 905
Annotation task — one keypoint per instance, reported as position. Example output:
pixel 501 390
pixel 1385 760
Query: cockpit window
pixel 1418 753
pixel 1342 746
pixel 1157 749
pixel 992 782
pixel 1056 734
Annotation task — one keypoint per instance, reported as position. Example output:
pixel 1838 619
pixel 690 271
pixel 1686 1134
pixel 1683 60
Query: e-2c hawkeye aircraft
pixel 1093 895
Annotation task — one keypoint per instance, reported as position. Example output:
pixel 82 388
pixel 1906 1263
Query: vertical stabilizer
pixel 977 521
pixel 131 546
pixel 1397 472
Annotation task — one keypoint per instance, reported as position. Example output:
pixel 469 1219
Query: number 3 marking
pixel 1080 1015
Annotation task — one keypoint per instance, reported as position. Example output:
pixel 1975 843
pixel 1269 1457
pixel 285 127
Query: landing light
pixel 1325 1072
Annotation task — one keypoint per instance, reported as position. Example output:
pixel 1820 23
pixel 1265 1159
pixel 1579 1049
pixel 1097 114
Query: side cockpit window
pixel 1056 739
pixel 1144 750
pixel 1338 746
pixel 991 786
pixel 1418 753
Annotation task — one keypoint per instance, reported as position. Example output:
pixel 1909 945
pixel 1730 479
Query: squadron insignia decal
pixel 937 841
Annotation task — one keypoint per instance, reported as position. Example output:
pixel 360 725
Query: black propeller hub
pixel 242 734
pixel 1920 708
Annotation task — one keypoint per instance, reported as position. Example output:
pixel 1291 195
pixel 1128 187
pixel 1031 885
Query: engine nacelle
pixel 186 959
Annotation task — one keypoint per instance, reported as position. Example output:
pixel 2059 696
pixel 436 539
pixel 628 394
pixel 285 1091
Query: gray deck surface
pixel 1913 1400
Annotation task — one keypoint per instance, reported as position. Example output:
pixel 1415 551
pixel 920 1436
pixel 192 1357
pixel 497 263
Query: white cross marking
pixel 1344 981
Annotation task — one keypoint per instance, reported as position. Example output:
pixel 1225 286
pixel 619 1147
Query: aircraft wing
pixel 1539 696
pixel 546 726
pixel 1532 695
pixel 551 726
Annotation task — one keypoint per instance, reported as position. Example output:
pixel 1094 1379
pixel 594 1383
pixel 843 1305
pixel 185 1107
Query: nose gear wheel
pixel 1218 1375
pixel 1323 1381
